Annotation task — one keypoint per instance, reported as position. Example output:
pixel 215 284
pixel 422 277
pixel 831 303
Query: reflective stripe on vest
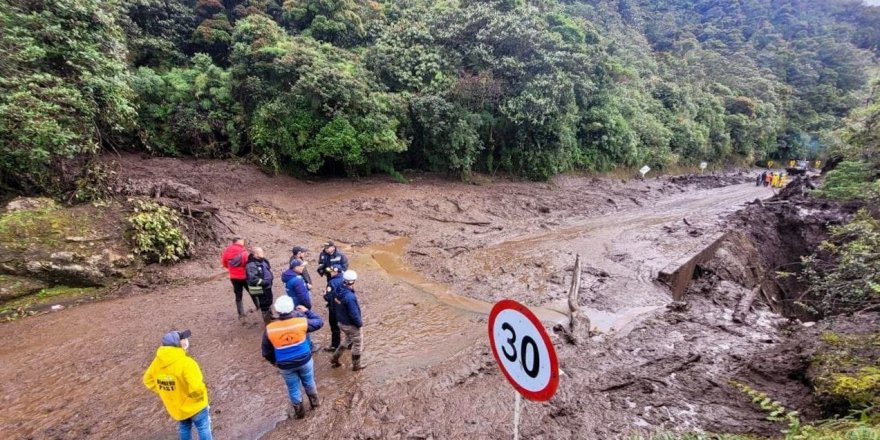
pixel 289 337
pixel 288 332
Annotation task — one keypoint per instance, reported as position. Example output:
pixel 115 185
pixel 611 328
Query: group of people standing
pixel 286 341
pixel 771 179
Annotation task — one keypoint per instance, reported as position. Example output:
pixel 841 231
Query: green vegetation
pixel 64 89
pixel 156 233
pixel 845 271
pixel 343 86
pixel 847 373
pixel 32 304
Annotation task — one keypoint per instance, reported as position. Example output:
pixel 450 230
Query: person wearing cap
pixel 286 345
pixel 330 257
pixel 334 282
pixel 299 253
pixel 296 285
pixel 259 278
pixel 234 259
pixel 348 314
pixel 177 379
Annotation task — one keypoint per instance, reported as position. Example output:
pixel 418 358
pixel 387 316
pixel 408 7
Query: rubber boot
pixel 240 307
pixel 314 401
pixel 267 317
pixel 299 411
pixel 330 349
pixel 356 363
pixel 334 361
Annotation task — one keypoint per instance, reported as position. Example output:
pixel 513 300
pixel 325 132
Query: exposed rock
pixel 161 188
pixel 29 204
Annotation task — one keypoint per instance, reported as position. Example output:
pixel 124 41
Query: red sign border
pixel 548 391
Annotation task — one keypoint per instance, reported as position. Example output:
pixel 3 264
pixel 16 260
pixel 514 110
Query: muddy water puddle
pixel 389 257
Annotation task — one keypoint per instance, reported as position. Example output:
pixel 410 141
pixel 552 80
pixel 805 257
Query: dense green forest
pixel 351 86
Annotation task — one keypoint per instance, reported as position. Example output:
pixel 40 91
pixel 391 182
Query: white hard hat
pixel 284 304
pixel 350 275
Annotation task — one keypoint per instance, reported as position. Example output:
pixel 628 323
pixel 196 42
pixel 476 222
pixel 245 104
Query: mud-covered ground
pixel 433 255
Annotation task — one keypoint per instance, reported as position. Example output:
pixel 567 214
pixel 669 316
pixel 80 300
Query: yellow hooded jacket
pixel 177 379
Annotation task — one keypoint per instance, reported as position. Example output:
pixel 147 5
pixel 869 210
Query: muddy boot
pixel 240 307
pixel 298 411
pixel 267 317
pixel 334 361
pixel 356 363
pixel 330 349
pixel 314 401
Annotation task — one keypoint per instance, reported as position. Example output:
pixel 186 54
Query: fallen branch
pixel 463 222
pixel 654 377
pixel 745 304
pixel 231 231
pixel 578 324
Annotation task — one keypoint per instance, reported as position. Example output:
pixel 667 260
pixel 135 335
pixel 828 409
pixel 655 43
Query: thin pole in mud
pixel 517 410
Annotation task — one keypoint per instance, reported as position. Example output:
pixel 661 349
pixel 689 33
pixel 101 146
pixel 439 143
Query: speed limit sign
pixel 523 350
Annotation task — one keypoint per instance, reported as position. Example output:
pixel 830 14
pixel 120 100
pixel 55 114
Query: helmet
pixel 350 276
pixel 284 304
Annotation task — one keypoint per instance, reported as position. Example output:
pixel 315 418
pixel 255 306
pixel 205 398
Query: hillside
pixel 353 87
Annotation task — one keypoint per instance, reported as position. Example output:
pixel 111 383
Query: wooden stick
pixel 573 291
pixel 464 222
pixel 745 303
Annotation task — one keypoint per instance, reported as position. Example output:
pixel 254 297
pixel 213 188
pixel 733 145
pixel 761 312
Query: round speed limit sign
pixel 523 350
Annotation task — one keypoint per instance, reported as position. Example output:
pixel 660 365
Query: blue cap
pixel 173 338
pixel 296 262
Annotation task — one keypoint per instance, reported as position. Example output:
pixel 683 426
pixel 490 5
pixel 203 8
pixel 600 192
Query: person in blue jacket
pixel 333 284
pixel 330 257
pixel 348 314
pixel 287 346
pixel 296 286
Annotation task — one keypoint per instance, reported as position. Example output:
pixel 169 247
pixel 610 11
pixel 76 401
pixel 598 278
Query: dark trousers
pixel 335 333
pixel 264 301
pixel 238 286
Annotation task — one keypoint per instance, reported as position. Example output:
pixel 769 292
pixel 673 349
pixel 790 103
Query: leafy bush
pixel 63 89
pixel 845 273
pixel 156 233
pixel 95 183
pixel 847 374
pixel 851 180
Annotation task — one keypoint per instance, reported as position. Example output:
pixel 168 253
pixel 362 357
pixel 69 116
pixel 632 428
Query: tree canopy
pixel 353 86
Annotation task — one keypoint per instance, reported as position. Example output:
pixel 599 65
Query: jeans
pixel 304 375
pixel 202 421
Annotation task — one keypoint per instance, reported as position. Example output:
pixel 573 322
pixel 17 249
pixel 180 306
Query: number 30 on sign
pixel 523 350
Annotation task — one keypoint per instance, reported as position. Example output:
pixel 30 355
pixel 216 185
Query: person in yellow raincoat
pixel 782 180
pixel 775 181
pixel 177 379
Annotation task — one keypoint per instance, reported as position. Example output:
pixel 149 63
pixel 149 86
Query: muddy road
pixel 433 255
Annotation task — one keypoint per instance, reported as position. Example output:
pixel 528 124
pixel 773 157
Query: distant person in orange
pixel 767 178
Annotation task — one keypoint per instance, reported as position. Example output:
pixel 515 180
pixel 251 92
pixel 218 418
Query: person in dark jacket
pixel 330 257
pixel 760 179
pixel 287 346
pixel 234 259
pixel 296 286
pixel 299 253
pixel 333 284
pixel 348 314
pixel 259 278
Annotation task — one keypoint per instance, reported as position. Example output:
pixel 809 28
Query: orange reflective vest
pixel 288 337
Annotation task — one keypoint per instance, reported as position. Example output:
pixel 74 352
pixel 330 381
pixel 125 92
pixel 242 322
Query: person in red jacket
pixel 234 259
